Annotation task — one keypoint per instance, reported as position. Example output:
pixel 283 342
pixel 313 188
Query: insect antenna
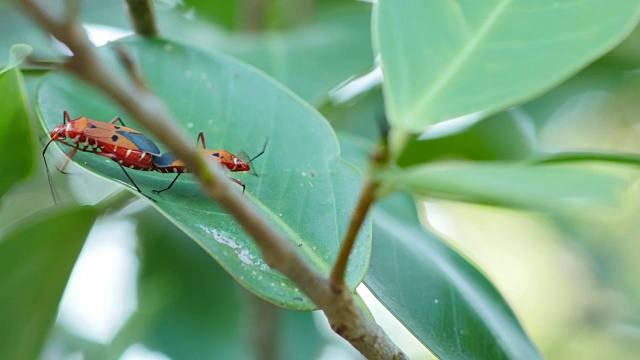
pixel 46 167
pixel 244 155
pixel 260 153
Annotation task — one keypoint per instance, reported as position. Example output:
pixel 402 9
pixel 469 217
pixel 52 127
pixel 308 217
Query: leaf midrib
pixel 462 56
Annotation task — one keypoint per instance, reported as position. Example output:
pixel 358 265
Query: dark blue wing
pixel 142 142
pixel 164 160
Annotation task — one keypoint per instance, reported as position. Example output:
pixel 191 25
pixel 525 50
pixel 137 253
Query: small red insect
pixel 169 163
pixel 126 146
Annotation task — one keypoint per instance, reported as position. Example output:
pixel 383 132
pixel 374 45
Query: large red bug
pixel 169 163
pixel 126 146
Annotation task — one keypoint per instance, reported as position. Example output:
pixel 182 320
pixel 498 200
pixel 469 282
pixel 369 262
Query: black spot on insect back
pixel 114 138
pixel 216 154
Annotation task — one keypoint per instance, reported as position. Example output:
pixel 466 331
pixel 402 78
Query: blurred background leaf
pixel 550 188
pixel 35 269
pixel 190 308
pixel 338 33
pixel 15 129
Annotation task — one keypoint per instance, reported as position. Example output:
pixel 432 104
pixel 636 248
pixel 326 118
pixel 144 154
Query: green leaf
pixel 188 307
pixel 505 136
pixel 450 306
pixel 445 59
pixel 15 131
pixel 547 188
pixel 36 259
pixel 304 188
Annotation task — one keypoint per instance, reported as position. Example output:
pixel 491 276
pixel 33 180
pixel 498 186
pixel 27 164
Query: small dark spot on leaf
pixel 298 299
pixel 300 245
pixel 312 174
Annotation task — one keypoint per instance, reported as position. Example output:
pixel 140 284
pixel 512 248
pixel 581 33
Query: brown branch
pixel 279 253
pixel 142 17
pixel 253 15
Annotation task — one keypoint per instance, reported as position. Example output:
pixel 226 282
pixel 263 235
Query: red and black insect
pixel 126 146
pixel 169 163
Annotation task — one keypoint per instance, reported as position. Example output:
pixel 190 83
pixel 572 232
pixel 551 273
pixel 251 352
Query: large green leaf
pixel 444 59
pixel 448 304
pixel 36 259
pixel 189 308
pixel 543 187
pixel 437 294
pixel 304 189
pixel 15 130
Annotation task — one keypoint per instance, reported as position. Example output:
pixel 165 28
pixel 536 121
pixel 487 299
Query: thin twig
pixel 278 252
pixel 359 215
pixel 263 323
pixel 131 68
pixel 254 16
pixel 379 159
pixel 142 16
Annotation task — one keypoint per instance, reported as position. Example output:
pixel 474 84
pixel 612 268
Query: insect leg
pixel 201 138
pixel 168 187
pixel 134 183
pixel 66 162
pixel 115 119
pixel 46 167
pixel 238 182
pixel 261 152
